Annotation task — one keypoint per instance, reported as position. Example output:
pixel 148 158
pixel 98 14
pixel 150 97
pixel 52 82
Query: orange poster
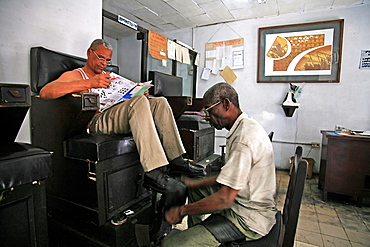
pixel 157 45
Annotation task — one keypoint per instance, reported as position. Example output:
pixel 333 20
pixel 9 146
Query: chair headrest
pixel 164 84
pixel 48 65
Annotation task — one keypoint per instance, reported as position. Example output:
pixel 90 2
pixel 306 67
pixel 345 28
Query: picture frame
pixel 308 52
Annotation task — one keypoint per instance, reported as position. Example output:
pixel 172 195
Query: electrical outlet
pixel 315 144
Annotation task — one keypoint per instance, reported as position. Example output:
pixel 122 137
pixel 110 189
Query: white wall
pixel 323 105
pixel 68 26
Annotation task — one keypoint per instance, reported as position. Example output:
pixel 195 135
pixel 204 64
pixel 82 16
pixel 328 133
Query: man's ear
pixel 226 103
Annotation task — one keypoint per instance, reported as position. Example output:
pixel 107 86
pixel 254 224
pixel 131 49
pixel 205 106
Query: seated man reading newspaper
pixel 149 119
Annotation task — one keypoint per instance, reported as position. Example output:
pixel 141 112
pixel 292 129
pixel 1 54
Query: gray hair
pixel 98 42
pixel 221 91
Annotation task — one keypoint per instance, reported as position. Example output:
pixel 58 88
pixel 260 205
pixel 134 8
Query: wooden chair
pixel 283 232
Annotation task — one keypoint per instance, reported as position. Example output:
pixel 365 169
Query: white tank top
pixel 85 77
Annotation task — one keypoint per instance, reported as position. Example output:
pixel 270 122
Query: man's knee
pixel 159 100
pixel 138 101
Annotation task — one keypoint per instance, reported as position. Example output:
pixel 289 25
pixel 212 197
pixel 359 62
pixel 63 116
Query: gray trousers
pixel 198 235
pixel 152 125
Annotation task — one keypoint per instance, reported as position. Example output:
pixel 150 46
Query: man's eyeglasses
pixel 108 61
pixel 206 111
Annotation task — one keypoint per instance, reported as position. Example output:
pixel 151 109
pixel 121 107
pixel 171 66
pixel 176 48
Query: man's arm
pixel 222 199
pixel 196 183
pixel 71 82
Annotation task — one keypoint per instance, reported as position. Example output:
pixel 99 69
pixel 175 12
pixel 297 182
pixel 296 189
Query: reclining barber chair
pixel 96 195
pixel 23 170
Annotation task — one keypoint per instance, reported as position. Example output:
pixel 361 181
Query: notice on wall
pixel 197 58
pixel 205 74
pixel 178 49
pixel 157 45
pixel 171 49
pixel 365 59
pixel 225 53
pixel 185 55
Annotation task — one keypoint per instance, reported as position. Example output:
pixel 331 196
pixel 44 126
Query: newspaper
pixel 119 90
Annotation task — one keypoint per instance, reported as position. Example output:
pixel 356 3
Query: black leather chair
pixel 283 232
pixel 97 188
pixel 97 178
pixel 23 171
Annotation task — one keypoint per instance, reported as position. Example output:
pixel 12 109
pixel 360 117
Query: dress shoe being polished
pixel 175 195
pixel 157 180
pixel 186 168
pixel 174 192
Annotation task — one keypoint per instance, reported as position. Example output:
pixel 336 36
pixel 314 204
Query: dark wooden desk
pixel 345 162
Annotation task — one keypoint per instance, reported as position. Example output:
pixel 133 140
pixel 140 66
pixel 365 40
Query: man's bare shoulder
pixel 71 75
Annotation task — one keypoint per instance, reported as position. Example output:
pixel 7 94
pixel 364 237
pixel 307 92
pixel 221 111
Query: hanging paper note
pixel 185 55
pixel 178 53
pixel 197 58
pixel 206 73
pixel 171 50
pixel 228 74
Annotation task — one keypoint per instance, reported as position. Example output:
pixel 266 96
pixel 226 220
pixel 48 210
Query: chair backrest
pixel 48 65
pixel 165 85
pixel 298 155
pixel 293 199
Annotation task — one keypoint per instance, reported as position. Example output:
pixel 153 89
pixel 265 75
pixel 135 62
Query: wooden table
pixel 345 162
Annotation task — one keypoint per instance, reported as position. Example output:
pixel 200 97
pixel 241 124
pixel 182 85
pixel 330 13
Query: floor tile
pixel 347 213
pixel 358 237
pixel 308 215
pixel 355 225
pixel 308 207
pixel 308 225
pixel 301 244
pixel 328 219
pixel 359 245
pixel 326 210
pixel 334 231
pixel 308 237
pixel 330 241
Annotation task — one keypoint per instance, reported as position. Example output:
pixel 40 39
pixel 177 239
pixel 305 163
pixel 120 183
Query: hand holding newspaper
pixel 119 90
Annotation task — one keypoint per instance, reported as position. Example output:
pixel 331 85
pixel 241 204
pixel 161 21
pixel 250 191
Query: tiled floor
pixel 337 222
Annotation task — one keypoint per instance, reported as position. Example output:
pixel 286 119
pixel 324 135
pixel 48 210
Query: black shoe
pixel 175 195
pixel 156 180
pixel 187 169
pixel 174 192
